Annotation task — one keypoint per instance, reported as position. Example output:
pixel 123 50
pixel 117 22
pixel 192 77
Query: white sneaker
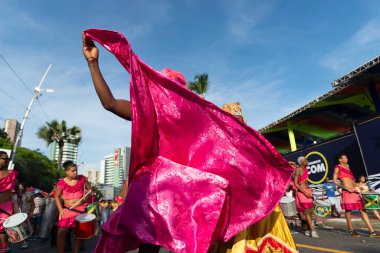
pixel 307 232
pixel 314 234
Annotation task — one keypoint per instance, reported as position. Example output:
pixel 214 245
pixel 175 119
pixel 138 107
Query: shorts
pixel 68 219
pixel 332 200
pixel 303 202
pixel 351 201
pixel 7 207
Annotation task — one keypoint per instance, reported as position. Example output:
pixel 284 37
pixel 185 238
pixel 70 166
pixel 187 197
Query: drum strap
pixel 74 210
pixel 5 212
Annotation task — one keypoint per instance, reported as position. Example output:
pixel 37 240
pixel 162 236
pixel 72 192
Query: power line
pixel 19 78
pixel 24 84
pixel 11 97
pixel 43 110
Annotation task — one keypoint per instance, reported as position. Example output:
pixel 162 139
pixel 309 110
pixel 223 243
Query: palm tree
pixel 199 85
pixel 58 132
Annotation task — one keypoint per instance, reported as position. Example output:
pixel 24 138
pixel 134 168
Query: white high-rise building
pixel 12 128
pixel 116 167
pixel 102 171
pixel 70 152
pixel 93 176
pixel 108 169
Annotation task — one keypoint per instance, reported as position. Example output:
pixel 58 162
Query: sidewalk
pixel 357 222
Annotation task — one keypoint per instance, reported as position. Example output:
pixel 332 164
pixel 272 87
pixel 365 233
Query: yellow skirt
pixel 269 235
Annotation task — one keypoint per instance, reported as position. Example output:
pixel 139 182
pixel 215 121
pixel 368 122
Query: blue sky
pixel 272 56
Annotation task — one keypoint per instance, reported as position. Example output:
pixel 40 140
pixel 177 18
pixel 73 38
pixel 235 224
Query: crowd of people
pixel 344 194
pixel 57 210
pixel 72 195
pixel 71 199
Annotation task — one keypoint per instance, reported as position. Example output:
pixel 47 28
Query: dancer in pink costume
pixel 197 174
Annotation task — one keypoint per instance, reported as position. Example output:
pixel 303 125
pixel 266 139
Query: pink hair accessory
pixel 174 75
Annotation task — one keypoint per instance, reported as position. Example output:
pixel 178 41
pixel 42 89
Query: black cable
pixel 19 78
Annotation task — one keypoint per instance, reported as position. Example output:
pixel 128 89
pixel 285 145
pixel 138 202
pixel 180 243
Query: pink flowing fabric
pixel 197 174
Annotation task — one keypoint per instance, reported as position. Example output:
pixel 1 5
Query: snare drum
pixel 371 201
pixel 85 226
pixel 288 206
pixel 18 227
pixel 322 208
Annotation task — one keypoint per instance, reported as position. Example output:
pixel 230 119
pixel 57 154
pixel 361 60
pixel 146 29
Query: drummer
pixel 362 186
pixel 350 195
pixel 7 184
pixel 74 191
pixel 329 189
pixel 304 197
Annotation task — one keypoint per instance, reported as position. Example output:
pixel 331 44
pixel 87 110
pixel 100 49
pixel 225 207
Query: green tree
pixel 35 169
pixel 199 85
pixel 58 132
pixel 3 134
pixel 5 142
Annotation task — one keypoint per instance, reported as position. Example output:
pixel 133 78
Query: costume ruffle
pixel 79 186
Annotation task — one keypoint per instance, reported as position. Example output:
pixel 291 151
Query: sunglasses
pixel 5 159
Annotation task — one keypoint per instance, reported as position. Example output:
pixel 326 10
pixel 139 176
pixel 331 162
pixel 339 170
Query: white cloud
pixel 361 47
pixel 243 16
pixel 261 96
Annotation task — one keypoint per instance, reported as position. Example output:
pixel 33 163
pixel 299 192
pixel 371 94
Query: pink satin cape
pixel 197 174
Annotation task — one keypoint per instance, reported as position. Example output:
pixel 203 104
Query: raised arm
pixel 120 107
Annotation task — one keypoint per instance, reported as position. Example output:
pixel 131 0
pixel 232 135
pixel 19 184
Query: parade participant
pixel 272 230
pixel 105 211
pixel 363 187
pixel 7 184
pixel 120 107
pixel 74 191
pixel 39 207
pixel 329 189
pixel 350 195
pixel 304 197
pixel 27 206
pixel 193 166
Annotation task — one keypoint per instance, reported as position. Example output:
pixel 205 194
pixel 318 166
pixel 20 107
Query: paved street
pixel 336 240
pixel 332 232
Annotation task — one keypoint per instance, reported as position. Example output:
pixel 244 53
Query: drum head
pixel 287 199
pixel 370 194
pixel 323 203
pixel 15 220
pixel 86 217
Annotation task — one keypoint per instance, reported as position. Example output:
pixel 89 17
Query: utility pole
pixel 36 94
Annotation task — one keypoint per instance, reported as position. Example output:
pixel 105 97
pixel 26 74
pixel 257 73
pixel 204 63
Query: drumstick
pixel 79 200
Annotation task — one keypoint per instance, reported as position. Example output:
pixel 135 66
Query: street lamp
pixel 36 94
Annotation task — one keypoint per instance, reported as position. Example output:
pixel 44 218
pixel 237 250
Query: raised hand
pixel 61 214
pixel 90 51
